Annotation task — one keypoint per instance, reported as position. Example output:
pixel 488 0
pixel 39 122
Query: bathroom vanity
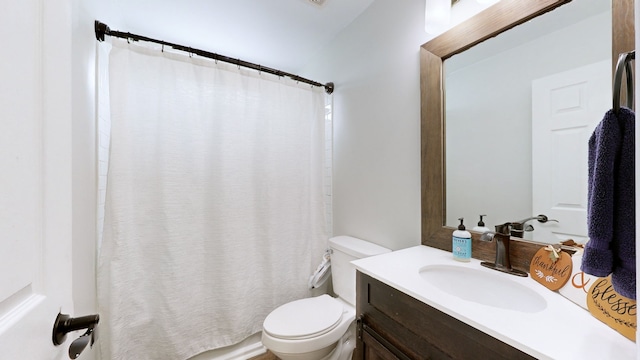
pixel 410 306
pixel 395 325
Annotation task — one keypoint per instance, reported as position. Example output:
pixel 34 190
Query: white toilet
pixel 321 327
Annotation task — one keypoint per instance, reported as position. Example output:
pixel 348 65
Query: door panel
pixel 566 108
pixel 35 186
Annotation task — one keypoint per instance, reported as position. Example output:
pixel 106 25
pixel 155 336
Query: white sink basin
pixel 482 287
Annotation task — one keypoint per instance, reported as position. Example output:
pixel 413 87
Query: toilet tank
pixel 345 249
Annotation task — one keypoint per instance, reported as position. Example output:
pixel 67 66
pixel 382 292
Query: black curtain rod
pixel 102 29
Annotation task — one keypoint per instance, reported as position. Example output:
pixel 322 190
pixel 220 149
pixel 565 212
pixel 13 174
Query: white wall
pixel 374 63
pixel 84 12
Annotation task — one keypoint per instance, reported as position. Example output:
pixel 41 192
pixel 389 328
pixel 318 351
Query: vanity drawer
pixel 421 331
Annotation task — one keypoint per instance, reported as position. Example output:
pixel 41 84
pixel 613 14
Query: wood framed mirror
pixel 491 22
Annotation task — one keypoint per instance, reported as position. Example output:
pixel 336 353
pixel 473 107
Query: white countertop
pixel 563 330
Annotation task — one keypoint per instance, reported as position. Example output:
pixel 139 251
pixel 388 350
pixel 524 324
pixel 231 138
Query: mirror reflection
pixel 519 111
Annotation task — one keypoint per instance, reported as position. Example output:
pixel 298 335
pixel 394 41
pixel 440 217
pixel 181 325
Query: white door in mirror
pixel 566 107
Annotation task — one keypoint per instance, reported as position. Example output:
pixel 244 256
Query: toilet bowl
pixel 321 327
pixel 308 328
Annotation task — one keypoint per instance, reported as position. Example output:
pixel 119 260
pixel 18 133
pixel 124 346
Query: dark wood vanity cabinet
pixel 394 325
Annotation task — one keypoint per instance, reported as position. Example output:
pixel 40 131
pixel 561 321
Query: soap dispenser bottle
pixel 481 228
pixel 461 248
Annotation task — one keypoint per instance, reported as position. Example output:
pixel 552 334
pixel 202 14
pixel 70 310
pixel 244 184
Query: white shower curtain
pixel 214 206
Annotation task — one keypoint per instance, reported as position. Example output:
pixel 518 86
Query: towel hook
pixel 623 65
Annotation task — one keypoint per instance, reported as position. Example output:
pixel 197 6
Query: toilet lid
pixel 304 318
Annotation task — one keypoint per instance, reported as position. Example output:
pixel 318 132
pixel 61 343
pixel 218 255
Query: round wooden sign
pixel 551 268
pixel 613 309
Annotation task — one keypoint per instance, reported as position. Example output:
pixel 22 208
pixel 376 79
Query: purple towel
pixel 611 214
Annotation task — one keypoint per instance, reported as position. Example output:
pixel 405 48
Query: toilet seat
pixel 305 318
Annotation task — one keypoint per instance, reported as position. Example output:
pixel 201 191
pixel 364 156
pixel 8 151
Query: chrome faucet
pixel 502 238
pixel 518 227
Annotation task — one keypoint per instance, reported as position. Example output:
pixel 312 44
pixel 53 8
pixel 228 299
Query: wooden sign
pixel 551 268
pixel 613 309
pixel 577 288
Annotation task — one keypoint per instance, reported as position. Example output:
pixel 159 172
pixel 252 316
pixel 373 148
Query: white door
pixel 35 180
pixel 566 108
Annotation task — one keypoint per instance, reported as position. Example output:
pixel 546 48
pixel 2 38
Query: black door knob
pixel 65 324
